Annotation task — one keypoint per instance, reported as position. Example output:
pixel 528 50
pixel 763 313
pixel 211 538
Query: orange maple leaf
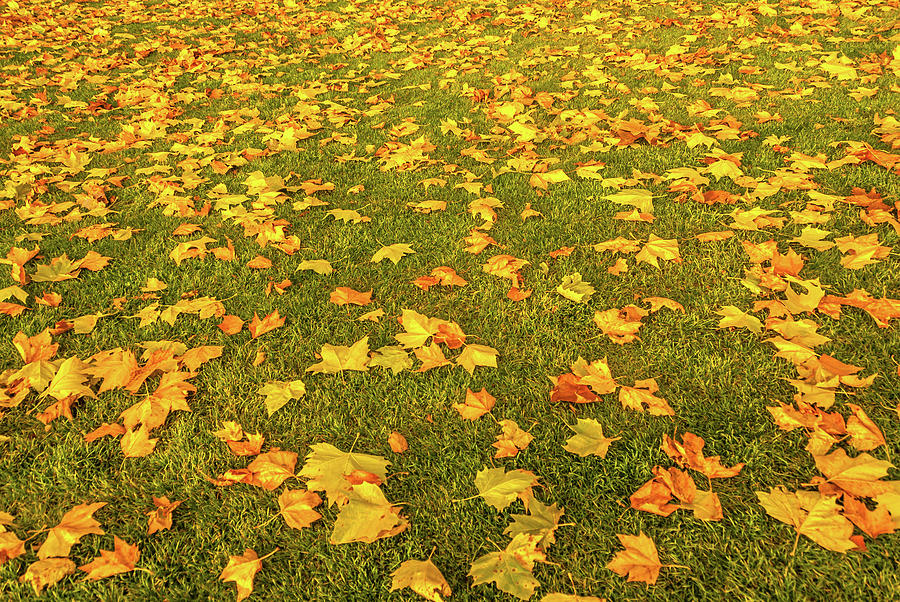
pixel 475 404
pixel 639 560
pixel 343 295
pixel 231 324
pixel 689 453
pixel 109 563
pixel 259 327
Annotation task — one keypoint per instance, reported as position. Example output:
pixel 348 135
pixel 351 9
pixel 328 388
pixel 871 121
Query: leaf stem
pixel 466 499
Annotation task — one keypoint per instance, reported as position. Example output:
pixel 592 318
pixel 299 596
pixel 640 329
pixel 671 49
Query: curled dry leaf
pixel 161 518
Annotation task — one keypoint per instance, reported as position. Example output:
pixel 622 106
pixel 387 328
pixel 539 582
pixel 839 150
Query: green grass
pixel 718 381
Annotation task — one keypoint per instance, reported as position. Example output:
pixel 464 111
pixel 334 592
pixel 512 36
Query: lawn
pixel 518 300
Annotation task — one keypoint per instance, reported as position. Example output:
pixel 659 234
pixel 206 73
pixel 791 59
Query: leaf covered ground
pixel 466 300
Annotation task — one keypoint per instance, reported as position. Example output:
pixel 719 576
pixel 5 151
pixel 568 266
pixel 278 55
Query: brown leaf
pixel 161 518
pixel 397 442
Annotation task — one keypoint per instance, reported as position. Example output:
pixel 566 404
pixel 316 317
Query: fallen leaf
pixel 327 467
pixel 161 518
pixel 319 266
pixel 231 324
pixel 343 295
pixel 510 569
pixel 588 439
pixel 689 453
pixel 337 358
pixel 500 488
pixel 394 252
pixel 575 289
pixel 811 514
pixel 859 476
pixel 477 355
pixel 366 517
pixel 259 327
pixel 75 524
pixel 620 325
pixel 47 572
pixel 10 547
pixel 475 405
pixel 511 439
pixel 864 434
pixel 639 560
pixel 397 442
pixel 109 563
pixel 422 577
pixel 242 570
pixel 278 393
pixel 541 521
pixel 296 507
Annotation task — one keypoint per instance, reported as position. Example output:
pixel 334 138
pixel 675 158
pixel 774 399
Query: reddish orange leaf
pixel 231 324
